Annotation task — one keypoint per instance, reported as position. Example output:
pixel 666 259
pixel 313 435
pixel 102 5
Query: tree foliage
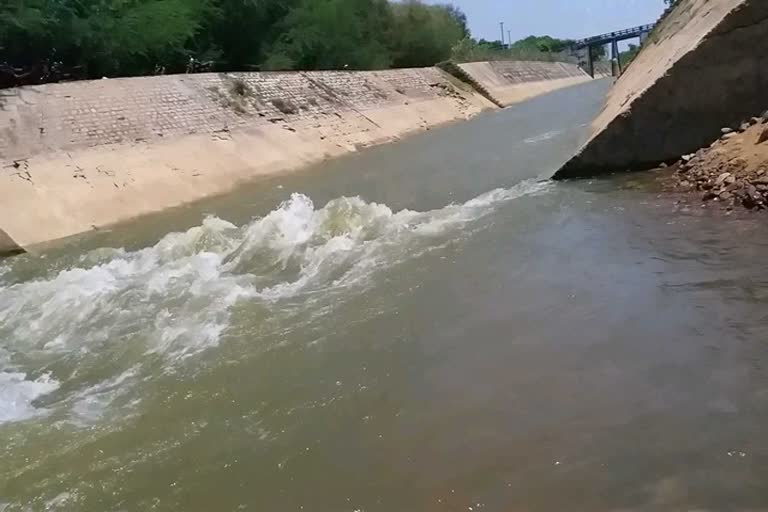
pixel 542 44
pixel 333 34
pixel 99 36
pixel 629 55
pixel 424 35
pixel 544 48
pixel 40 39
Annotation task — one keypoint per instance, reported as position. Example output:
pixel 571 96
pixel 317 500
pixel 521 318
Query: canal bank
pixel 337 338
pixel 701 69
pixel 84 155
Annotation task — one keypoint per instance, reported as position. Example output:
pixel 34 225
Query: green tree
pixel 134 37
pixel 29 28
pixel 333 34
pixel 542 44
pixel 240 33
pixel 100 36
pixel 425 34
pixel 629 55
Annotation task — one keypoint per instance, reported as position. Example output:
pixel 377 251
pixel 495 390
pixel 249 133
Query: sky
pixel 566 19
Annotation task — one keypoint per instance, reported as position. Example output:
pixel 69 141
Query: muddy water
pixel 422 326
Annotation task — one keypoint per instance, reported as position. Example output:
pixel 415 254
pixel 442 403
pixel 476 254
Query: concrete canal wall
pixel 704 67
pixel 83 155
pixel 509 82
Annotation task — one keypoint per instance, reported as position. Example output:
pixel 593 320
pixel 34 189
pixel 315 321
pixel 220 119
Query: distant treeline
pixel 50 40
pixel 94 38
pixel 530 48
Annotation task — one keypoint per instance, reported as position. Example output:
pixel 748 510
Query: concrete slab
pixel 704 67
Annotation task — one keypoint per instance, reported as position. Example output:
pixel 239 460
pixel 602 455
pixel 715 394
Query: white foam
pixel 542 137
pixel 59 501
pixel 174 299
pixel 17 395
pixel 91 403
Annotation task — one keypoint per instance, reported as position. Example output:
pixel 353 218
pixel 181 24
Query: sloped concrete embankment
pixel 704 67
pixel 510 82
pixel 83 155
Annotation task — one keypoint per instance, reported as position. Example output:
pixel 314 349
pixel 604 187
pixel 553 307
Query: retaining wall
pixel 54 117
pixel 83 155
pixel 703 68
pixel 509 82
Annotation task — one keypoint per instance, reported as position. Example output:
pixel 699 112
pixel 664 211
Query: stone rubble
pixel 732 172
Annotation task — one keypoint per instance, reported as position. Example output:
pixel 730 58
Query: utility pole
pixel 502 33
pixel 509 38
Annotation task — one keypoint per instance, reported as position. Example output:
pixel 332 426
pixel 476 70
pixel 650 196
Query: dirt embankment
pixel 732 172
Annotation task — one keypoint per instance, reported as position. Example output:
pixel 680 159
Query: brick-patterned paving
pixel 521 72
pixel 50 117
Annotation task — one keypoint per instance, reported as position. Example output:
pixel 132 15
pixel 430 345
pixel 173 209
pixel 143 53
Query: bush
pixel 48 40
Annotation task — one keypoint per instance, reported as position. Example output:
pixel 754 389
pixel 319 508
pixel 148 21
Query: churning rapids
pixel 425 326
pixel 174 299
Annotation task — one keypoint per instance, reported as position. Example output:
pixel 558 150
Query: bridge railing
pixel 629 32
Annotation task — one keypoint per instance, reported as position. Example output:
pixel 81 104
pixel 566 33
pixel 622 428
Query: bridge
pixel 612 38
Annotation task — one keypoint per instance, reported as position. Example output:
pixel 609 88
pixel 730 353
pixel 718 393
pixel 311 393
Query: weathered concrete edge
pixel 455 69
pixel 8 246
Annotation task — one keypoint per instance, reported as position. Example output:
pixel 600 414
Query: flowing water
pixel 424 326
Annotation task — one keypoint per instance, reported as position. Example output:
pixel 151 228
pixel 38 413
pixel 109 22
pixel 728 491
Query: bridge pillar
pixel 616 57
pixel 591 61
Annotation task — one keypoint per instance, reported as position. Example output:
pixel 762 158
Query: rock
pixel 721 179
pixel 755 120
pixel 762 187
pixel 729 135
pixel 762 180
pixel 735 189
pixel 663 165
pixel 708 196
pixel 765 116
pixel 685 184
pixel 752 198
pixel 744 126
pixel 763 136
pixel 726 130
pixel 687 158
pixel 725 195
pixel 748 202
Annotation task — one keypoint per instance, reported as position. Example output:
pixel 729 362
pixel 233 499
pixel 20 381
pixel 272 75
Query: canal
pixel 423 326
